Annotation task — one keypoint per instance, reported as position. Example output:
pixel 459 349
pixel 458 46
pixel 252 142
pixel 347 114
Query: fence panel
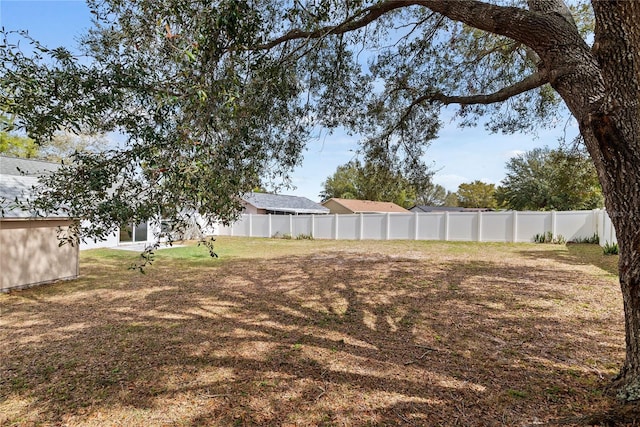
pixel 575 225
pixel 302 225
pixel 373 226
pixel 241 227
pixel 606 231
pixel 497 227
pixel 260 225
pixel 431 226
pixel 348 227
pixel 280 225
pixel 528 224
pixel 463 226
pixel 402 226
pixel 324 226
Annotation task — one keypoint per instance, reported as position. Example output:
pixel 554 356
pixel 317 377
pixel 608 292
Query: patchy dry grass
pixel 286 333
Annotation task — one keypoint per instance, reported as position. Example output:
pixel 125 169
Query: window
pixel 131 233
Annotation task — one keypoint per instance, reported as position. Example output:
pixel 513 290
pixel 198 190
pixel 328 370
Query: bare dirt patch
pixel 317 333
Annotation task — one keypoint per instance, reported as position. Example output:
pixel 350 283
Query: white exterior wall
pixel 113 240
pixel 509 226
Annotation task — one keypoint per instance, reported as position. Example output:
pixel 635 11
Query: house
pixel 30 253
pixel 352 206
pixel 16 172
pixel 279 204
pixel 433 209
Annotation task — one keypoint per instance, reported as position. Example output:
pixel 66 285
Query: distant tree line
pixel 540 179
pixel 61 146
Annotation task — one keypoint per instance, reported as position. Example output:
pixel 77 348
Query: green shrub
pixel 548 237
pixel 303 236
pixel 285 236
pixel 610 248
pixel 593 240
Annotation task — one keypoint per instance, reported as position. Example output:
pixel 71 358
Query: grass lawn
pixel 308 333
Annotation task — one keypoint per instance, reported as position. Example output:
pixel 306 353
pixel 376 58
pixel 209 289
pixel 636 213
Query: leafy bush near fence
pixel 593 240
pixel 548 237
pixel 610 248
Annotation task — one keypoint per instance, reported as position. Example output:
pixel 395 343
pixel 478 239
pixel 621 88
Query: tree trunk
pixel 601 89
pixel 610 125
pixel 620 175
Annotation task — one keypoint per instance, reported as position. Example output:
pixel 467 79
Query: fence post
pixel 553 223
pixel 291 225
pixel 313 226
pixel 360 226
pixel 387 231
pixel 270 226
pixel 250 225
pixel 446 226
pixel 335 227
pixel 479 226
pixel 601 219
pixel 515 226
pixel 415 226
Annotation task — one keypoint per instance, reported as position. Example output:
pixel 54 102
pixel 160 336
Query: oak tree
pixel 545 179
pixel 216 95
pixel 476 194
pixel 375 181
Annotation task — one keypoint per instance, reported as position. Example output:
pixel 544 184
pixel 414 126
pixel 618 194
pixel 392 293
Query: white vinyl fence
pixel 508 226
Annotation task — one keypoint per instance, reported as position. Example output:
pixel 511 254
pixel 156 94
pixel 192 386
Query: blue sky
pixel 458 155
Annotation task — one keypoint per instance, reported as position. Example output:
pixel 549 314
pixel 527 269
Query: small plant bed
pixel 309 332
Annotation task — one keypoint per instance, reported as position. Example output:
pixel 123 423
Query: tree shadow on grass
pixel 326 339
pixel 577 254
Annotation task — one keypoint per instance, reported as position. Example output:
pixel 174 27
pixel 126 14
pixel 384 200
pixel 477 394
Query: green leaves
pixel 476 194
pixel 376 181
pixel 545 179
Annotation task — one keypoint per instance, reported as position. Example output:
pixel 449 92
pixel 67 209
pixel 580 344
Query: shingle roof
pixel 17 179
pixel 283 203
pixel 368 206
pixel 14 187
pixel 423 208
pixel 25 167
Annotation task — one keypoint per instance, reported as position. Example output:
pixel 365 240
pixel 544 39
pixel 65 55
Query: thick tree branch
pixel 552 6
pixel 536 29
pixel 522 25
pixel 531 82
pixel 359 20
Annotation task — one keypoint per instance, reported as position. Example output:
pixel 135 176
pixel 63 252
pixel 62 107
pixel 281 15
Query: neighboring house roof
pixel 283 203
pixel 422 208
pixel 17 179
pixel 367 206
pixel 25 167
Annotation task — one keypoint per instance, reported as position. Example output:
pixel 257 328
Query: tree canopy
pixel 374 181
pixel 476 194
pixel 545 179
pixel 62 146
